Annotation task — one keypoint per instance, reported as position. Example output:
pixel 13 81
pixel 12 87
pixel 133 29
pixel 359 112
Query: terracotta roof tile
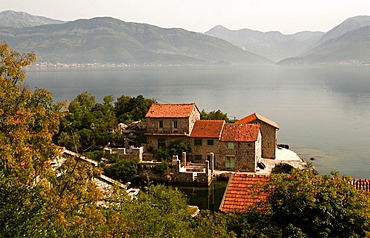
pixel 170 110
pixel 238 194
pixel 256 116
pixel 207 128
pixel 240 132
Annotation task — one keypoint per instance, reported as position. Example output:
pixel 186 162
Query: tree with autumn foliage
pixel 28 120
pixel 35 199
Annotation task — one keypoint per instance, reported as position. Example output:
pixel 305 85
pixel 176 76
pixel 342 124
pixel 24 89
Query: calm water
pixel 322 112
pixel 205 197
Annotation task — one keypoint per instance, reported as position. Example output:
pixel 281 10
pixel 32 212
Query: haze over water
pixel 323 112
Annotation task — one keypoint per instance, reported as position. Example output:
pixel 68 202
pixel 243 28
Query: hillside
pixel 273 45
pixel 109 40
pixel 347 43
pixel 352 48
pixel 22 19
pixel 348 25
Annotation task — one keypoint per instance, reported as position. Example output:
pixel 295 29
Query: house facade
pixel 228 146
pixel 232 147
pixel 169 122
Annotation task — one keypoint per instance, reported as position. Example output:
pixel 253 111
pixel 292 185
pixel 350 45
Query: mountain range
pixel 273 45
pixel 346 43
pixel 109 40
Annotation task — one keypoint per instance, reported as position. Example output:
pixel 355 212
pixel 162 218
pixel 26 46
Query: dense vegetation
pixel 89 126
pixel 37 200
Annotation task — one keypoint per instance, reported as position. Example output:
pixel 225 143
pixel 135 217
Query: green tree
pixel 162 168
pixel 88 125
pixel 122 170
pixel 303 205
pixel 162 212
pixel 21 209
pixel 130 109
pixel 174 148
pixel 214 115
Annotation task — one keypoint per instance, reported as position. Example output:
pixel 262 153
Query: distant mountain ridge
pixel 22 19
pixel 348 25
pixel 109 40
pixel 347 43
pixel 273 45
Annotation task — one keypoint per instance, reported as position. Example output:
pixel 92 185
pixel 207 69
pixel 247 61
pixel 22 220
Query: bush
pixel 95 155
pixel 162 168
pixel 123 170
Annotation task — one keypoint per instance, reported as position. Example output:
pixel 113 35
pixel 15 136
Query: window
pixel 197 141
pixel 230 145
pixel 209 142
pixel 161 143
pixel 160 124
pixel 174 124
pixel 229 162
pixel 198 157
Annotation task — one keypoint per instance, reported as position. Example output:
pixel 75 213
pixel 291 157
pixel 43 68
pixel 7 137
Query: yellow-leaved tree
pixel 37 200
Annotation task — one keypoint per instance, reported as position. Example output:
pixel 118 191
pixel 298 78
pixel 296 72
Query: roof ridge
pixel 255 116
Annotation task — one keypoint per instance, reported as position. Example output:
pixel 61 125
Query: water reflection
pixel 205 197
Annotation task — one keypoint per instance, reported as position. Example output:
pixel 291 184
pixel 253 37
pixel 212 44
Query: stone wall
pixel 125 153
pixel 268 139
pixel 246 154
pixel 168 125
pixel 153 140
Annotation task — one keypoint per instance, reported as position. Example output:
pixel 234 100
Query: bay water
pixel 323 112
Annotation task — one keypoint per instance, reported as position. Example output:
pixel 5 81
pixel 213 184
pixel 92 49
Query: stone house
pixel 268 131
pixel 235 147
pixel 169 122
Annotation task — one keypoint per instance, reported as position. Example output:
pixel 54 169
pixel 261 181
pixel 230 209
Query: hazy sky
pixel 287 16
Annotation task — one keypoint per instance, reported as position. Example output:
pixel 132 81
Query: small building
pixel 169 122
pixel 241 147
pixel 268 131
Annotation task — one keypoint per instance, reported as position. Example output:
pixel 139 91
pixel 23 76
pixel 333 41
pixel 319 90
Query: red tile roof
pixel 240 132
pixel 239 195
pixel 207 128
pixel 256 116
pixel 171 110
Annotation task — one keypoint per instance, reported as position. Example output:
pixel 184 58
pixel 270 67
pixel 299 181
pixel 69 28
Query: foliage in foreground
pixel 303 205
